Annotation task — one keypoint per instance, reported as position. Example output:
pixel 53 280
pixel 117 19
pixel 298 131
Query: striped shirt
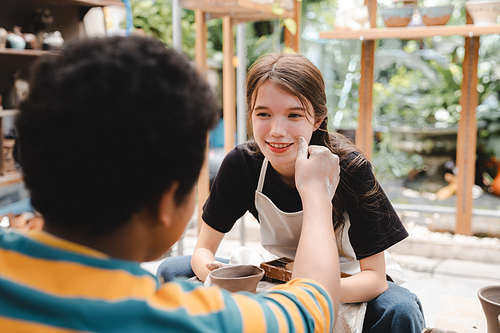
pixel 51 285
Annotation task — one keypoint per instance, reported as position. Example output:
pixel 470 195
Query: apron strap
pixel 262 175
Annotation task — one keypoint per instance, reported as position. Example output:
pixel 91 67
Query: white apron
pixel 280 232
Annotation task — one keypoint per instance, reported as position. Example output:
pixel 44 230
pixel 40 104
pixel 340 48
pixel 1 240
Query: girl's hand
pixel 211 266
pixel 316 168
pixel 215 264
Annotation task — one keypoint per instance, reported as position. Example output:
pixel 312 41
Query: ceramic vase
pixel 489 297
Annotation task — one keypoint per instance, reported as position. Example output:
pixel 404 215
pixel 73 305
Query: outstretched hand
pixel 211 266
pixel 316 169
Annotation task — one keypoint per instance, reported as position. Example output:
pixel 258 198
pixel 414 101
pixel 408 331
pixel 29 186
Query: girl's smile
pixel 278 119
pixel 279 147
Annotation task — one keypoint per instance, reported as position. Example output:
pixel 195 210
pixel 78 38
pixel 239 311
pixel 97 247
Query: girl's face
pixel 278 119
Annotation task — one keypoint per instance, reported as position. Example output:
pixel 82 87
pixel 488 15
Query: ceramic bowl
pixel 489 297
pixel 438 15
pixel 237 278
pixel 483 12
pixel 397 16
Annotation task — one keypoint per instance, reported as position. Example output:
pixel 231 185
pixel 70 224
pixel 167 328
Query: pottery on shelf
pixel 489 297
pixel 483 12
pixel 438 15
pixel 397 16
pixel 237 278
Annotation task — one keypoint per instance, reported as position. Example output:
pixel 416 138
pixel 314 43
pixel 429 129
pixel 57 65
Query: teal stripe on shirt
pixel 101 316
pixel 29 247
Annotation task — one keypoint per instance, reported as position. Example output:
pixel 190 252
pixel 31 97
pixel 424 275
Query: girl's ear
pixel 318 123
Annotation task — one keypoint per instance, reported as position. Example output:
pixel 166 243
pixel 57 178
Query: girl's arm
pixel 204 252
pixel 367 284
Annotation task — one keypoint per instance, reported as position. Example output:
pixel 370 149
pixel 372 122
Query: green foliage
pixel 155 19
pixel 260 45
pixel 391 162
pixel 411 98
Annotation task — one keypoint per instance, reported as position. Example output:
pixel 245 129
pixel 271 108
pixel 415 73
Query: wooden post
pixel 289 39
pixel 467 137
pixel 228 84
pixel 364 132
pixel 201 61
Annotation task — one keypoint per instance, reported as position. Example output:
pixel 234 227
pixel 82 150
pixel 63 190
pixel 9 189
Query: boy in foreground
pixel 112 140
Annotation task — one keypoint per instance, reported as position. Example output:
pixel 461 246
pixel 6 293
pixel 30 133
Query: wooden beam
pixel 201 61
pixel 364 132
pixel 291 40
pixel 228 84
pixel 467 30
pixel 467 137
pixel 243 9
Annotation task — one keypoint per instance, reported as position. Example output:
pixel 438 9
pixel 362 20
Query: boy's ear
pixel 167 205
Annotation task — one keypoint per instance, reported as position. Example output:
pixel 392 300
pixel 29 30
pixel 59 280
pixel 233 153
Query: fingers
pixel 211 266
pixel 215 264
pixel 302 151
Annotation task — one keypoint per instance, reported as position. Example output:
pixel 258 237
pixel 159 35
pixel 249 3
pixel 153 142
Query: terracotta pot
pixel 238 277
pixel 489 297
pixel 495 185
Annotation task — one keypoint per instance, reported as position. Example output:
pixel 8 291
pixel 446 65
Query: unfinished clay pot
pixel 490 301
pixel 237 278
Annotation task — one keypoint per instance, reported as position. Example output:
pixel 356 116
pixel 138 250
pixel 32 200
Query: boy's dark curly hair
pixel 109 125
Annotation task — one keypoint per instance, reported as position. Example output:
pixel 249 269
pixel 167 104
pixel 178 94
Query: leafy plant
pixel 155 19
pixel 418 97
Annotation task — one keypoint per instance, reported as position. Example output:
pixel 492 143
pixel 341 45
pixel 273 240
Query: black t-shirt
pixel 233 193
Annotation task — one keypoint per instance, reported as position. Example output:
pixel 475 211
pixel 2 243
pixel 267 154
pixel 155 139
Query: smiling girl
pixel 286 100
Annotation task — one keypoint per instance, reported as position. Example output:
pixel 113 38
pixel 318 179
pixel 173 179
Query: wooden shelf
pixel 8 112
pixel 27 53
pixel 240 10
pixel 468 30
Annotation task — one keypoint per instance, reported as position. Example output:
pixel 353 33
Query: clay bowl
pixel 397 16
pixel 483 12
pixel 439 15
pixel 237 278
pixel 489 297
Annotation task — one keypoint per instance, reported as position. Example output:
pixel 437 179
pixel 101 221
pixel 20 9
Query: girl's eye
pixel 262 114
pixel 296 115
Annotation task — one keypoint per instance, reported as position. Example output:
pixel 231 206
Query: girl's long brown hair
pixel 297 76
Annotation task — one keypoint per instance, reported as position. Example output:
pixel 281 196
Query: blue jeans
pixel 396 310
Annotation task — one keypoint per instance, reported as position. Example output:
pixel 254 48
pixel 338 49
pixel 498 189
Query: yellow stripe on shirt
pixel 19 326
pixel 199 301
pixel 291 309
pixel 71 279
pixel 252 314
pixel 311 305
pixel 280 318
